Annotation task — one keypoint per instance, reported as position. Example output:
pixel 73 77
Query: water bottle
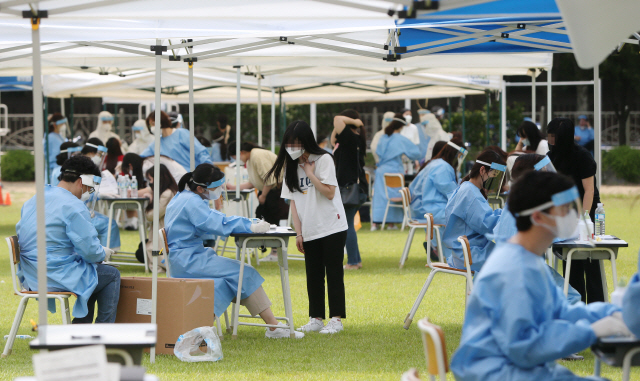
pixel 122 187
pixel 600 219
pixel 134 187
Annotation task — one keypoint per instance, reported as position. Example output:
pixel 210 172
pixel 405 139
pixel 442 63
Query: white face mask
pixel 565 225
pixel 215 194
pixel 525 142
pixel 97 160
pixel 85 196
pixel 408 118
pixel 295 154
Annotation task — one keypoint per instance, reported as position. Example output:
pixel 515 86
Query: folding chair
pixel 18 289
pixel 163 237
pixel 435 353
pixel 413 225
pixel 443 267
pixel 392 180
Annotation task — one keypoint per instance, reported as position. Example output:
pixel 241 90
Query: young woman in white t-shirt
pixel 318 216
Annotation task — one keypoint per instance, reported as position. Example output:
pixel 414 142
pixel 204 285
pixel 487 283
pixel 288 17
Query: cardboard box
pixel 183 304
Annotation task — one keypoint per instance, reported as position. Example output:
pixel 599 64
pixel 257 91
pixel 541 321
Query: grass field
pixel 374 346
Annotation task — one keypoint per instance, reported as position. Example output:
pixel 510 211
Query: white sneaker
pixel 333 326
pixel 281 333
pixel 394 227
pixel 270 258
pixel 373 228
pixel 314 325
pixel 131 224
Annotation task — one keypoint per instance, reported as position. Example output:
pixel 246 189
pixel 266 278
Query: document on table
pixel 75 364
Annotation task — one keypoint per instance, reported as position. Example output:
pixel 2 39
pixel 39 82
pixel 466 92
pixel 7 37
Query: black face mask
pixel 151 186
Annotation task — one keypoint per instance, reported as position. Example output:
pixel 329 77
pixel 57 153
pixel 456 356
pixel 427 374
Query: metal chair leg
pixel 63 311
pixel 384 219
pixel 416 304
pixel 407 246
pixel 66 307
pixel 14 327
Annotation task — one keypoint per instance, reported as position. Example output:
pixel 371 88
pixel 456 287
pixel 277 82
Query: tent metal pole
pixel 488 115
pixel 259 108
pixel 313 116
pixel 273 120
pixel 71 106
pixel 62 107
pixel 407 103
pixel 597 123
pixel 192 122
pixel 464 121
pixel 156 191
pixel 503 117
pixel 238 115
pixel 38 131
pixel 549 99
pixel 46 141
pixel 533 95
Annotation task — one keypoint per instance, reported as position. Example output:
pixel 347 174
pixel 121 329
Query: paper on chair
pixel 75 364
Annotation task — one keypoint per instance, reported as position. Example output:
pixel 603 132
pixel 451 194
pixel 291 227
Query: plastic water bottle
pixel 600 219
pixel 122 187
pixel 134 187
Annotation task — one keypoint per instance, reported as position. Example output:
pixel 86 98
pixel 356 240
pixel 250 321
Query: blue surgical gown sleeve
pixel 444 179
pixel 84 237
pixel 411 150
pixel 209 221
pixel 424 142
pixel 202 154
pixel 149 151
pixel 631 304
pixel 480 217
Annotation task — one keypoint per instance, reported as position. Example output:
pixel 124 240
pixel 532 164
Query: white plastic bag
pixel 188 345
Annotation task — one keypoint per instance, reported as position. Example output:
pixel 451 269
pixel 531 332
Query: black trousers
pixel 325 255
pixel 274 208
pixel 585 277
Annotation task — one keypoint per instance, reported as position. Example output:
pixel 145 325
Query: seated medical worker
pixel 74 252
pixel 67 149
pixel 188 219
pixel 517 322
pixel 174 143
pixel 468 212
pixel 430 189
pixel 631 304
pixel 95 151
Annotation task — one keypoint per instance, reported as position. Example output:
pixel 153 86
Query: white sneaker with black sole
pixel 333 326
pixel 314 325
pixel 282 333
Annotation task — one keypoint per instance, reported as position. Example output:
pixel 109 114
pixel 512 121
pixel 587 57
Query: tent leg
pixel 503 117
pixel 273 120
pixel 192 147
pixel 238 115
pixel 597 123
pixel 464 121
pixel 533 96
pixel 314 119
pixel 549 99
pixel 259 108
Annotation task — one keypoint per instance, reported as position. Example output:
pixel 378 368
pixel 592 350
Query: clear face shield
pixel 71 151
pixel 215 189
pixel 93 182
pixel 545 165
pixel 570 221
pixel 462 154
pixel 63 125
pixel 493 183
pixel 100 156
pixel 137 131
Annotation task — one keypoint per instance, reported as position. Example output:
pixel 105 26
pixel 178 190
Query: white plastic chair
pixel 18 289
pixel 413 225
pixel 443 267
pixel 435 353
pixel 392 180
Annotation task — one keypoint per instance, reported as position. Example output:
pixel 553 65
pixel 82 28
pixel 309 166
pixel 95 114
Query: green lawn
pixel 373 346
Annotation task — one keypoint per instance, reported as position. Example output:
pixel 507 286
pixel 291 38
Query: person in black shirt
pixel 349 137
pixel 575 161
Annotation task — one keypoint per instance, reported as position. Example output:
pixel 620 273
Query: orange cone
pixel 1 198
pixel 7 202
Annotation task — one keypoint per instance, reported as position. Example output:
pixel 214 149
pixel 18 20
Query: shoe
pixel 351 267
pixel 394 227
pixel 314 325
pixel 270 258
pixel 373 227
pixel 131 224
pixel 333 326
pixel 281 333
pixel 573 357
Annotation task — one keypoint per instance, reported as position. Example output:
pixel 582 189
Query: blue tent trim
pixel 16 84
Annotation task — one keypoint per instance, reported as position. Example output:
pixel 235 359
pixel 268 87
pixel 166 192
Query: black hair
pixel 298 130
pixel 54 118
pixel 166 182
pixel 222 119
pixel 204 174
pixel 76 166
pixel 173 117
pixel 246 147
pixel 532 189
pixel 438 146
pixel 88 149
pixel 204 141
pixel 320 139
pixel 62 157
pixel 353 114
pixel 448 154
pixel 564 131
pixel 113 153
pixel 488 156
pixel 524 164
pixel 165 121
pixel 135 161
pixel 395 125
pixel 530 130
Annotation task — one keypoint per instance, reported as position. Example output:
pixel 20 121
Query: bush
pixel 625 163
pixel 18 166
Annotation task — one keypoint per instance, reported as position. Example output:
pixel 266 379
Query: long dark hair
pixel 448 154
pixel 113 153
pixel 204 173
pixel 395 125
pixel 300 131
pixel 135 161
pixel 353 114
pixel 564 130
pixel 166 182
pixel 524 164
pixel 530 130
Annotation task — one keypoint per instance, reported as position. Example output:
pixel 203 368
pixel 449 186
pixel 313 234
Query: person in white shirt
pixel 531 139
pixel 410 131
pixel 311 185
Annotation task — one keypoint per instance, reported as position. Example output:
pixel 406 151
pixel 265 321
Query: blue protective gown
pixel 187 221
pixel 468 213
pixel 73 247
pixel 101 223
pixel 54 140
pixel 176 147
pixel 631 304
pixel 517 322
pixel 430 188
pixel 214 152
pixel 390 150
pixel 506 228
pixel 54 176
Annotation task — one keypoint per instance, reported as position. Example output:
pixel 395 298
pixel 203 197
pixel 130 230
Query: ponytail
pixel 205 173
pixel 184 180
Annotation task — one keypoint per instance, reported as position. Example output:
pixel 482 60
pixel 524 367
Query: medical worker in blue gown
pixel 56 136
pixel 468 213
pixel 631 304
pixel 518 322
pixel 188 220
pixel 74 252
pixel 391 147
pixel 174 143
pixel 430 189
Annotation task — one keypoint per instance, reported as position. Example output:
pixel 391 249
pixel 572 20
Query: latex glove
pixel 611 326
pixel 261 227
pixel 108 253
